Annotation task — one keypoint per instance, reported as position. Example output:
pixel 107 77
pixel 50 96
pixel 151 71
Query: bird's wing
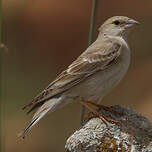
pixel 90 62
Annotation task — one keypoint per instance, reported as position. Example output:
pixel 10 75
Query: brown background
pixel 44 37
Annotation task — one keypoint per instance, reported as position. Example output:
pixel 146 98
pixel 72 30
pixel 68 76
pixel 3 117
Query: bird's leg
pixel 107 108
pixel 87 105
pixel 96 112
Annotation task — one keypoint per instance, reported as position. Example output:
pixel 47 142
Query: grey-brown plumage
pixel 92 75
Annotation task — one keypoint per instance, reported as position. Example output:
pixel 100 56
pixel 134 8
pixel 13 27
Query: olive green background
pixel 43 38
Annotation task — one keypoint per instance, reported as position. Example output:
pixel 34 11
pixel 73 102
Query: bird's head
pixel 117 26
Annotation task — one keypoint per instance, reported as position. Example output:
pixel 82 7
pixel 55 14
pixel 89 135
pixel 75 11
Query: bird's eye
pixel 116 22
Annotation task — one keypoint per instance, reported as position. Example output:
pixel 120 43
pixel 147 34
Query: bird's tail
pixel 48 106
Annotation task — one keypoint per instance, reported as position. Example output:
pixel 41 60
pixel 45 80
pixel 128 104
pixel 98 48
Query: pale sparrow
pixel 92 75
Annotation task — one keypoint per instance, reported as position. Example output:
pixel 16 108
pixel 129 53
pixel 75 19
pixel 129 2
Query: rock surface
pixel 133 133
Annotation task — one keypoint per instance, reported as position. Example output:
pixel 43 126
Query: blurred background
pixel 43 38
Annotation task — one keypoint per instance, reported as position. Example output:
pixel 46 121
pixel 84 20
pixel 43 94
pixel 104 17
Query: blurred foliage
pixel 43 38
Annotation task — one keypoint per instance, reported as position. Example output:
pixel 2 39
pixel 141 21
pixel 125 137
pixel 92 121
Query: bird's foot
pixel 104 117
pixel 106 108
pixel 96 113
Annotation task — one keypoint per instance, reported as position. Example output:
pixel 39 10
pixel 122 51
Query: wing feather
pixel 90 62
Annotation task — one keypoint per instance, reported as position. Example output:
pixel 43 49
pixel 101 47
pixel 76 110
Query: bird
pixel 91 76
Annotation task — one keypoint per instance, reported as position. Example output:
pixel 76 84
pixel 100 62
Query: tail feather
pixel 48 106
pixel 28 127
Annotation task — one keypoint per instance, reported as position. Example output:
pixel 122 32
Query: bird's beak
pixel 131 23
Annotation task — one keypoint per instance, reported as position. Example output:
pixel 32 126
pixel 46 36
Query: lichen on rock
pixel 133 133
